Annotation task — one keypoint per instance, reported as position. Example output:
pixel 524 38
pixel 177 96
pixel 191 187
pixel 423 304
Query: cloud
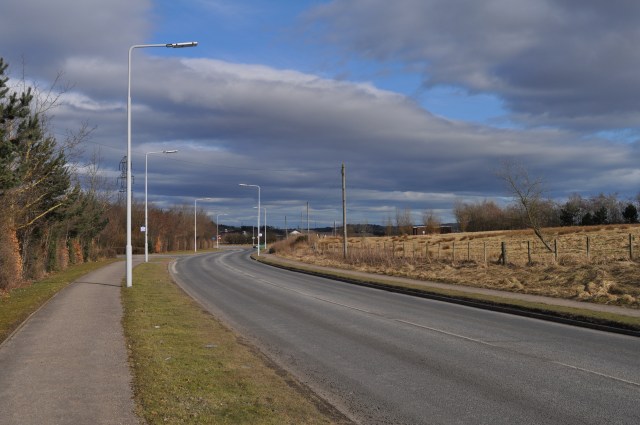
pixel 290 131
pixel 46 33
pixel 565 63
pixel 285 120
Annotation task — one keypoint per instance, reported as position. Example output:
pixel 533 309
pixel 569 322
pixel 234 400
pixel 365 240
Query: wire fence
pixel 562 250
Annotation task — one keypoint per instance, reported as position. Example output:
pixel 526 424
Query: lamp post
pixel 129 248
pixel 265 228
pixel 218 234
pixel 195 221
pixel 146 215
pixel 255 185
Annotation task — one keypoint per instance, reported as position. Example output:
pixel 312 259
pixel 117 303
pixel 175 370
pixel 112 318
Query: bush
pixel 287 245
pixel 10 261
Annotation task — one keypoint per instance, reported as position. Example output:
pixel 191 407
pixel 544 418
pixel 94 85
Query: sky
pixel 422 100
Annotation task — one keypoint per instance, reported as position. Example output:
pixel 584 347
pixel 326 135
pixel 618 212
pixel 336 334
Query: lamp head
pixel 181 45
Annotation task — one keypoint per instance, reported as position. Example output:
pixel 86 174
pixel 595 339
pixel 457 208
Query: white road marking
pixel 441 331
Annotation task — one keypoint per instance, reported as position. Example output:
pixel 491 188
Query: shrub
pixel 10 261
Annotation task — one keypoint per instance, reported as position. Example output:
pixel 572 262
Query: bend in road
pixel 382 357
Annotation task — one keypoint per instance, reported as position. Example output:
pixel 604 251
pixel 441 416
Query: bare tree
pixel 528 193
pixel 462 214
pixel 431 221
pixel 389 229
pixel 404 222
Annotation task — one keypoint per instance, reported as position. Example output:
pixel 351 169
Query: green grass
pixel 19 303
pixel 189 368
pixel 594 316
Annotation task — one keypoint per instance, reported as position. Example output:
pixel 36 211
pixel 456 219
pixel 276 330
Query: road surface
pixel 385 358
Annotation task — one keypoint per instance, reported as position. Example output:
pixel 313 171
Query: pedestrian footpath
pixel 67 364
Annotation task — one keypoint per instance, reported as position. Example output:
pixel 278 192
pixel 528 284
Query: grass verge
pixel 19 303
pixel 589 318
pixel 189 368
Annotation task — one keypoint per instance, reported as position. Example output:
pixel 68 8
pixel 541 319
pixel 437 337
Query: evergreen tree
pixel 630 214
pixel 601 216
pixel 569 214
pixel 34 179
pixel 587 219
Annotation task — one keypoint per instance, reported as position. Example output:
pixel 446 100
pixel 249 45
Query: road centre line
pixel 635 384
pixel 443 332
pixel 228 267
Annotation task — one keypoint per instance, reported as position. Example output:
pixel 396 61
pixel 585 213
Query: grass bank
pixel 189 368
pixel 597 264
pixel 17 304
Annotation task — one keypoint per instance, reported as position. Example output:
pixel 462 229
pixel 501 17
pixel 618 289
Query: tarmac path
pixel 67 364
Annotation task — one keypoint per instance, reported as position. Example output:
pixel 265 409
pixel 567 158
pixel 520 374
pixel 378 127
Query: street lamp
pixel 218 234
pixel 129 248
pixel 195 221
pixel 255 185
pixel 146 215
pixel 265 228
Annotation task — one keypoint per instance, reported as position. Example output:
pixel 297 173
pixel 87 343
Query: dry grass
pixel 606 276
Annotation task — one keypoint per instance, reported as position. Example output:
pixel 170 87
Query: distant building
pixel 443 229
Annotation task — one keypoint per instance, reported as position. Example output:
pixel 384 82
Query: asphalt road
pixel 385 358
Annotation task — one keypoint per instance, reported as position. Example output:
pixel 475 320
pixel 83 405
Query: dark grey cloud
pixel 290 131
pixel 568 63
pixel 49 33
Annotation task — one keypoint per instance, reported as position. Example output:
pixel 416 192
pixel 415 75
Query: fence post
pixel 453 252
pixel 588 249
pixel 484 251
pixel 555 250
pixel 438 250
pixel 529 251
pixel 630 246
pixel 469 251
pixel 503 247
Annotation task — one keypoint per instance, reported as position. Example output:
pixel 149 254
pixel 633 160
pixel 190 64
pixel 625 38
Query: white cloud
pixel 82 102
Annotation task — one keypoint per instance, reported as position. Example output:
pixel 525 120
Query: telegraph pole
pixel 344 213
pixel 308 234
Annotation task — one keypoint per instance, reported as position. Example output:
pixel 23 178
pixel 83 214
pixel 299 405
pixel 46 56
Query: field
pixel 596 263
